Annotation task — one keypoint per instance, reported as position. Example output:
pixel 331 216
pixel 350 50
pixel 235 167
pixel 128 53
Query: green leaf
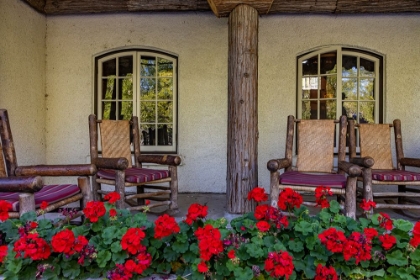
pixel 415 257
pixel 334 207
pixel 379 272
pixel 119 257
pixel 164 268
pixel 14 265
pixel 320 252
pixel 70 269
pixel 403 225
pixel 103 257
pixel 180 247
pixel 396 258
pixel 304 227
pixel 98 226
pixel 295 246
pixel 169 254
pixel 254 250
pixel 221 268
pixel 116 247
pixel 243 273
pixel 109 234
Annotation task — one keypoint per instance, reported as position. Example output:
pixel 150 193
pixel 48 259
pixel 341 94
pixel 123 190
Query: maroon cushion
pixel 313 179
pixel 49 193
pixel 395 175
pixel 135 175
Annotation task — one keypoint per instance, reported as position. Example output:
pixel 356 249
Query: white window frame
pixel 136 55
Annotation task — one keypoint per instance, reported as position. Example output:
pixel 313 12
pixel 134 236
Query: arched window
pixel 337 81
pixel 142 83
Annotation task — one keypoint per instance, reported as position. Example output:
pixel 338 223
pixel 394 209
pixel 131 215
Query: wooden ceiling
pixel 222 8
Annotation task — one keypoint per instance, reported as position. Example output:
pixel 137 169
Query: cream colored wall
pixel 22 78
pixel 200 41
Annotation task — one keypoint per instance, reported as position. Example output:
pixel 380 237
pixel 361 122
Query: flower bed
pixel 265 244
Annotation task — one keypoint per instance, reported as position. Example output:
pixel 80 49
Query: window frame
pixel 136 54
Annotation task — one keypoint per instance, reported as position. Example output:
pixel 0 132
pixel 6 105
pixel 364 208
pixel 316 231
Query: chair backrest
pixel 375 141
pixel 8 161
pixel 315 140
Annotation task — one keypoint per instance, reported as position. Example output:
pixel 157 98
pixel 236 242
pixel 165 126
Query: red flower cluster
pixel 209 242
pixel 4 210
pixel 289 199
pixel 271 214
pixel 263 226
pixel 321 194
pixel 194 212
pixel 357 246
pixel 119 273
pixel 258 194
pixel 370 233
pixel 385 221
pixel 333 239
pixel 112 197
pixel 279 264
pixel 325 273
pixel 165 225
pixel 3 252
pixel 33 247
pixel 65 242
pixel 202 267
pixel 131 241
pixel 415 240
pixel 367 205
pixel 94 210
pixel 139 264
pixel 387 241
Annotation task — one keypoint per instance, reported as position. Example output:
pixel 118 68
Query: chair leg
pixel 351 197
pixel 83 183
pixel 173 207
pixel 95 187
pixel 274 189
pixel 120 188
pixel 26 203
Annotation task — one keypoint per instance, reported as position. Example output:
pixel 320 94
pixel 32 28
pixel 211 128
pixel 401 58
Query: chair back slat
pixel 375 141
pixel 3 172
pixel 315 145
pixel 115 139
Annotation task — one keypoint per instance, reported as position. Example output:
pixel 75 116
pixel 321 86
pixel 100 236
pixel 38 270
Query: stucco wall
pixel 22 78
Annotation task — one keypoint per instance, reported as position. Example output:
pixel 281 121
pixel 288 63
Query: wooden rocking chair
pixel 117 168
pixel 22 185
pixel 314 165
pixel 375 142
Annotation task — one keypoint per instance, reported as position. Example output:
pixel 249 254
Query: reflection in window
pixel 141 84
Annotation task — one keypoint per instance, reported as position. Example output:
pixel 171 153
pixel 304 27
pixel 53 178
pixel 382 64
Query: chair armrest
pixel 56 170
pixel 351 169
pixel 160 159
pixel 410 162
pixel 21 184
pixel 111 163
pixel 367 162
pixel 275 164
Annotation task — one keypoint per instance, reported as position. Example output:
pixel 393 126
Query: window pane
pixel 310 66
pixel 328 109
pixel 125 65
pixel 147 89
pixel 126 110
pixel 165 112
pixel 328 63
pixel 349 66
pixel 165 68
pixel 109 88
pixel 309 110
pixel 328 87
pixel 165 90
pixel 349 87
pixel 148 66
pixel 147 112
pixel 108 110
pixel 148 134
pixel 350 109
pixel 367 112
pixel 367 68
pixel 109 67
pixel 125 88
pixel 163 135
pixel 366 89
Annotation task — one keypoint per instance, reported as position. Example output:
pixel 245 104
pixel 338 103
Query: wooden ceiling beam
pixel 222 8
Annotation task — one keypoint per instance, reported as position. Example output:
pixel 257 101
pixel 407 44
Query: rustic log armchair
pixel 314 164
pixel 118 167
pixel 22 186
pixel 375 142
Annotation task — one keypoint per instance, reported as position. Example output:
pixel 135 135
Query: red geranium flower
pixel 416 229
pixel 387 241
pixel 131 241
pixel 43 205
pixel 279 264
pixel 332 239
pixel 209 242
pixel 112 212
pixel 357 246
pixel 4 210
pixel 263 226
pixel 370 233
pixel 321 194
pixel 94 210
pixel 80 243
pixel 261 211
pixel 143 261
pixel 202 267
pixel 3 252
pixel 63 242
pixel 33 247
pixel 112 197
pixel 367 205
pixel 195 211
pixel 325 273
pixel 385 221
pixel 258 194
pixel 415 241
pixel 165 225
pixel 231 254
pixel 289 199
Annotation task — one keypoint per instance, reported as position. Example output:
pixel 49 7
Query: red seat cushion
pixel 49 193
pixel 313 179
pixel 395 175
pixel 135 175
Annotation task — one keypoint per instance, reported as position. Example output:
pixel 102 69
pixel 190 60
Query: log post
pixel 242 141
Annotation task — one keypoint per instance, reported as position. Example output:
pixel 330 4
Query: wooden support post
pixel 242 142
